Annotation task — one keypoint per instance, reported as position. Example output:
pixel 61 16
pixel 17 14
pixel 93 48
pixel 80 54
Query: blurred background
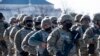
pixel 48 7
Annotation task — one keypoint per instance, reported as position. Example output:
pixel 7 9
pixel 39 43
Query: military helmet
pixel 46 21
pixel 64 18
pixel 85 17
pixel 77 18
pixel 39 19
pixel 96 17
pixel 27 18
pixel 20 17
pixel 12 19
pixel 53 18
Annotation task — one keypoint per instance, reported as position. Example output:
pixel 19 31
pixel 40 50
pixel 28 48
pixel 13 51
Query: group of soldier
pixel 26 35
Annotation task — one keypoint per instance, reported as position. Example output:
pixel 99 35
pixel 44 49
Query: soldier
pixel 15 29
pixel 54 22
pixel 39 39
pixel 13 22
pixel 3 46
pixel 84 24
pixel 91 35
pixel 61 40
pixel 20 35
pixel 25 45
pixel 77 22
pixel 75 26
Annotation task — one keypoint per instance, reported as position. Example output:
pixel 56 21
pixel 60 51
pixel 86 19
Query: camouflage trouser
pixel 83 51
pixel 45 53
pixel 21 53
pixel 3 48
pixel 11 50
pixel 81 48
pixel 73 52
pixel 95 54
pixel 32 55
pixel 32 51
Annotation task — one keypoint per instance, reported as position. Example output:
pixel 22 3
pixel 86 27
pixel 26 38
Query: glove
pixel 91 48
pixel 23 53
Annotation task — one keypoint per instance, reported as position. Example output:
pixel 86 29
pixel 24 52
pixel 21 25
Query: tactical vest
pixel 66 41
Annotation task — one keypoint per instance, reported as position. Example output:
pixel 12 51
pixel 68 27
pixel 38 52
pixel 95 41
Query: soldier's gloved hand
pixel 44 45
pixel 23 53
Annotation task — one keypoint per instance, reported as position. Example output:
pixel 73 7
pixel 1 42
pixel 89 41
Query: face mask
pixel 37 26
pixel 29 25
pixel 67 25
pixel 37 23
pixel 48 29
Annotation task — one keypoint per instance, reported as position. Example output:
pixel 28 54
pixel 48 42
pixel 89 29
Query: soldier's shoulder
pixel 55 31
pixel 75 26
pixel 37 32
pixel 90 28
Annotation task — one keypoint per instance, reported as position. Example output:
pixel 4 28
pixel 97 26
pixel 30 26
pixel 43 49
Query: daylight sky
pixel 79 6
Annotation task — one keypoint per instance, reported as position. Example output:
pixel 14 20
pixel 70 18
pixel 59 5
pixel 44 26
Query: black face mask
pixel 67 26
pixel 37 23
pixel 29 25
pixel 48 29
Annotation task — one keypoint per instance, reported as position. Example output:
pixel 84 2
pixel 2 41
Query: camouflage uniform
pixel 91 35
pixel 61 42
pixel 6 36
pixel 77 22
pixel 20 35
pixel 25 45
pixel 82 47
pixel 3 45
pixel 54 22
pixel 39 39
pixel 16 28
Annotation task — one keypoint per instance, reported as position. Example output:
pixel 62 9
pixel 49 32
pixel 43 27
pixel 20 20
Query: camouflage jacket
pixel 19 36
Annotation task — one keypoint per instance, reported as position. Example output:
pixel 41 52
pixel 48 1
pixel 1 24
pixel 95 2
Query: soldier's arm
pixel 35 39
pixel 87 36
pixel 6 34
pixel 51 42
pixel 12 34
pixel 24 44
pixel 18 41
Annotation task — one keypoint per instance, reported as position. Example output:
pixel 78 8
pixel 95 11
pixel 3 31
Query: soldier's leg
pixel 5 53
pixel 59 54
pixel 0 53
pixel 83 51
pixel 95 54
pixel 4 49
pixel 17 53
pixel 11 50
pixel 77 51
pixel 32 55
